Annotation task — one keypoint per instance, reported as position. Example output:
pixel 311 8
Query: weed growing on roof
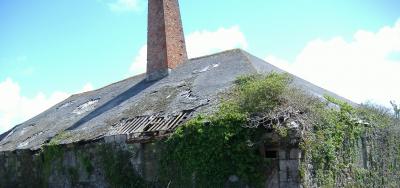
pixel 62 136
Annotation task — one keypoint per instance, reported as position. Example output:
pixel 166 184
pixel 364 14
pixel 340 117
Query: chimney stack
pixel 166 47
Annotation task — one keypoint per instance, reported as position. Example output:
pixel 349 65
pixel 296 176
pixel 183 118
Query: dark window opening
pixel 271 154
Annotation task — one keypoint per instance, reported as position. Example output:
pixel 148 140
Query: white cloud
pixel 139 64
pixel 16 108
pixel 87 87
pixel 360 69
pixel 204 42
pixel 199 43
pixel 125 5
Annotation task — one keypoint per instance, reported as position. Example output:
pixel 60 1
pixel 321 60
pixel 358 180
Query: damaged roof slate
pixel 196 85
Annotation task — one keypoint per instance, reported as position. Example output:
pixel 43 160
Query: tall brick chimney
pixel 166 47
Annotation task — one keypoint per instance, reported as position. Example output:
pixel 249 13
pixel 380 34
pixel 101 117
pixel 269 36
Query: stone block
pixel 282 154
pixel 295 153
pixel 120 138
pixel 283 176
pixel 283 184
pixel 293 175
pixel 282 164
pixel 109 139
pixel 292 185
pixel 289 164
pixel 233 178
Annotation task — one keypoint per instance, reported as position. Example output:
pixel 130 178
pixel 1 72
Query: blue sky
pixel 51 49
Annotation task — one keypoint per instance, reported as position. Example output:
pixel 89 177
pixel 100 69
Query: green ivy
pixel 52 157
pixel 208 149
pixel 209 154
pixel 73 175
pixel 85 160
pixel 117 166
pixel 260 93
pixel 332 145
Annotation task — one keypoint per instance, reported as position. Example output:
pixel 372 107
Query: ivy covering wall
pixel 98 164
pixel 208 150
pixel 351 147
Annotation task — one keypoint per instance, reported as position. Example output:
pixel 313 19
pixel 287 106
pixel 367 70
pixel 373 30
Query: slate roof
pixel 194 87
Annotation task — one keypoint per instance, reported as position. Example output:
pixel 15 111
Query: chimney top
pixel 166 47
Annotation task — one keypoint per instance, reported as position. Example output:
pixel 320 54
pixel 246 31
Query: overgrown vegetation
pixel 209 149
pixel 15 167
pixel 85 161
pixel 396 109
pixel 60 137
pixel 342 143
pixel 50 160
pixel 351 147
pixel 118 168
pixel 57 165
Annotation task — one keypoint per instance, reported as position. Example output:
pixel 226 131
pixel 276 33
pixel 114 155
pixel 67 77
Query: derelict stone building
pixel 134 112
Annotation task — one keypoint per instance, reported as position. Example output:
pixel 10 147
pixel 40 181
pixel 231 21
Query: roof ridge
pixel 216 54
pixel 246 55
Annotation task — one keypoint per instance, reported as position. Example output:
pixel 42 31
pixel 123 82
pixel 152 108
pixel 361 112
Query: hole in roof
pixel 187 94
pixel 28 140
pixel 65 104
pixel 26 128
pixel 205 69
pixel 181 84
pixel 86 107
pixel 201 70
pixel 23 144
pixel 9 134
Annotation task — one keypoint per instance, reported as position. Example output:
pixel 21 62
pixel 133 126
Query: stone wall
pixel 289 162
pixel 377 163
pixel 114 162
pixel 100 164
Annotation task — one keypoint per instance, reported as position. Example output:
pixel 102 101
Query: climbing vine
pixel 52 157
pixel 118 168
pixel 335 146
pixel 209 149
